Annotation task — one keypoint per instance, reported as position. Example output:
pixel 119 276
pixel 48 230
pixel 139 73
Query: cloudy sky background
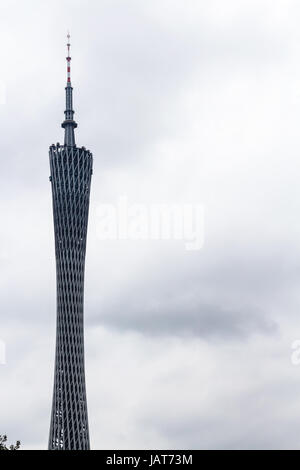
pixel 180 102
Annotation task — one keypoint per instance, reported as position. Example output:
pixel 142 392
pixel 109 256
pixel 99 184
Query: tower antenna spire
pixel 69 59
pixel 69 124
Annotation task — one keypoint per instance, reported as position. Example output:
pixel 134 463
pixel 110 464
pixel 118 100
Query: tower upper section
pixel 69 124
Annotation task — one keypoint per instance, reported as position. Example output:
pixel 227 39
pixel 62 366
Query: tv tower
pixel 71 171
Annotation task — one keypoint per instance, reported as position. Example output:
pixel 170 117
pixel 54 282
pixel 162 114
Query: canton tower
pixel 71 171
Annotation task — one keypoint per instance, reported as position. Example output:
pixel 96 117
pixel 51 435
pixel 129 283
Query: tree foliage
pixel 4 446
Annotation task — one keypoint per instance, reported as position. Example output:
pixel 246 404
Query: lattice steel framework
pixel 71 172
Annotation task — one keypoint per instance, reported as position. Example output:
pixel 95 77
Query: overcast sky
pixel 180 102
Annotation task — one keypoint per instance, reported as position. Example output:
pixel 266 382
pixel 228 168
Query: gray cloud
pixel 153 312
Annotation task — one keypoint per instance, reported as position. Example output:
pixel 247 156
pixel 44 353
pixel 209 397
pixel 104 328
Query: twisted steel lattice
pixel 71 171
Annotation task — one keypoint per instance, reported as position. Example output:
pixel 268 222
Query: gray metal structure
pixel 71 172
